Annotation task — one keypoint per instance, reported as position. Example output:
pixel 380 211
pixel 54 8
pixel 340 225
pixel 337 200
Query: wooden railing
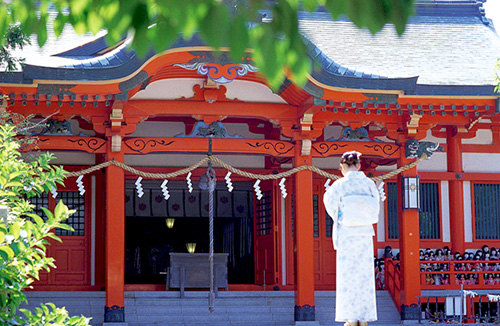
pixel 392 281
pixel 454 275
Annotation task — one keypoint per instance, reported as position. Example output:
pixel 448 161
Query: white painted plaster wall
pixel 483 136
pixel 176 88
pixel 481 162
pixel 180 160
pixel 437 163
pixel 381 223
pixel 172 129
pixel 327 163
pixel 169 89
pixel 445 211
pixel 158 129
pixel 467 211
pixel 387 168
pixel 73 158
pixel 251 92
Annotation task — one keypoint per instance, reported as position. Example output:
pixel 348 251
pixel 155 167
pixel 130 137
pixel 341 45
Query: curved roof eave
pixel 122 63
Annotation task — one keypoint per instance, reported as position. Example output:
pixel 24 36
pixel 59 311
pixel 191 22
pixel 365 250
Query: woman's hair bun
pixel 350 158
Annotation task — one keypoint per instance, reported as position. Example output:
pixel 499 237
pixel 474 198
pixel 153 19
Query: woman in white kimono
pixel 353 204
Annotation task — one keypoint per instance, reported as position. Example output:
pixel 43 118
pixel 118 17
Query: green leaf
pixel 6 252
pixel 61 210
pixel 15 229
pixel 13 184
pixel 77 7
pixel 59 23
pixel 239 38
pixel 310 5
pixel 42 30
pixel 47 213
pixel 38 220
pixel 214 26
pixel 2 237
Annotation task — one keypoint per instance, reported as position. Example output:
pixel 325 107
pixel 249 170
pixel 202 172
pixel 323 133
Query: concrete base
pixel 307 323
pixel 114 324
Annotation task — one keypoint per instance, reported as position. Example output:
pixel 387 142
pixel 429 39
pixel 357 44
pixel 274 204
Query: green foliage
pixel 237 24
pixel 22 241
pixel 14 38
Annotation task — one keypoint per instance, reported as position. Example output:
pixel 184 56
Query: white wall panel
pixel 482 137
pixel 481 162
pixel 467 211
pixel 445 211
pixel 179 160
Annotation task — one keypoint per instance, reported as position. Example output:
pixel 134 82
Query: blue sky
pixel 492 8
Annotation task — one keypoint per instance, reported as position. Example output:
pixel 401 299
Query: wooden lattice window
pixel 487 211
pixel 392 210
pixel 71 199
pixel 39 202
pixel 429 221
pixel 328 225
pixel 264 214
pixel 429 216
pixel 315 216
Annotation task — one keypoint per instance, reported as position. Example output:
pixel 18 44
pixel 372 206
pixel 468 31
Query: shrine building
pixel 126 123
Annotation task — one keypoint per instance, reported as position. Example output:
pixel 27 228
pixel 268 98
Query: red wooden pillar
pixel 409 247
pixel 304 255
pixel 115 241
pixel 454 162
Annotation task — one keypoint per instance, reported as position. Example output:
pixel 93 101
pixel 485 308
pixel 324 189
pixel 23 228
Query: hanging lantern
pixel 191 246
pixel 411 192
pixel 170 222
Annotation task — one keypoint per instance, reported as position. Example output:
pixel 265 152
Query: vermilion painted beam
pixel 304 241
pixel 115 241
pixel 222 109
pixel 93 145
pixel 369 149
pixel 409 244
pixel 454 163
pixel 151 145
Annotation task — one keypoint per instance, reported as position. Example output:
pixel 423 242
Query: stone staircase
pixel 262 308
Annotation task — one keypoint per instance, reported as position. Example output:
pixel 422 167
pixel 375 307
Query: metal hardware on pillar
pixel 304 313
pixel 208 182
pixel 410 312
pixel 114 314
pixel 411 192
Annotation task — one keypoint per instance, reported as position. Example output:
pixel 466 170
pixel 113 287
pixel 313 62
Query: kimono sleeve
pixel 374 193
pixel 331 200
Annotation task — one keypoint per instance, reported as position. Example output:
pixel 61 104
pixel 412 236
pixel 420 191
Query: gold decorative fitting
pixel 116 143
pixel 412 125
pixel 306 147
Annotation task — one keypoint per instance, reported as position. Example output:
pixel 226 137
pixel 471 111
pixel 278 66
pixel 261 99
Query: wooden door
pixel 72 255
pixel 324 254
pixel 266 235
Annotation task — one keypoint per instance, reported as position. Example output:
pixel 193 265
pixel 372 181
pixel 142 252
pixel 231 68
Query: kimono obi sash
pixel 358 210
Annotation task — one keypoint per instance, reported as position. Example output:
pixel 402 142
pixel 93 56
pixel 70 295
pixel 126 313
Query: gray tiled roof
pixel 448 48
pixel 453 50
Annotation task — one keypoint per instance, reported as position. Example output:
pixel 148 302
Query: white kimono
pixel 354 244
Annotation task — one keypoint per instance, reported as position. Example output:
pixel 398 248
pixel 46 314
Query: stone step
pixel 261 308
